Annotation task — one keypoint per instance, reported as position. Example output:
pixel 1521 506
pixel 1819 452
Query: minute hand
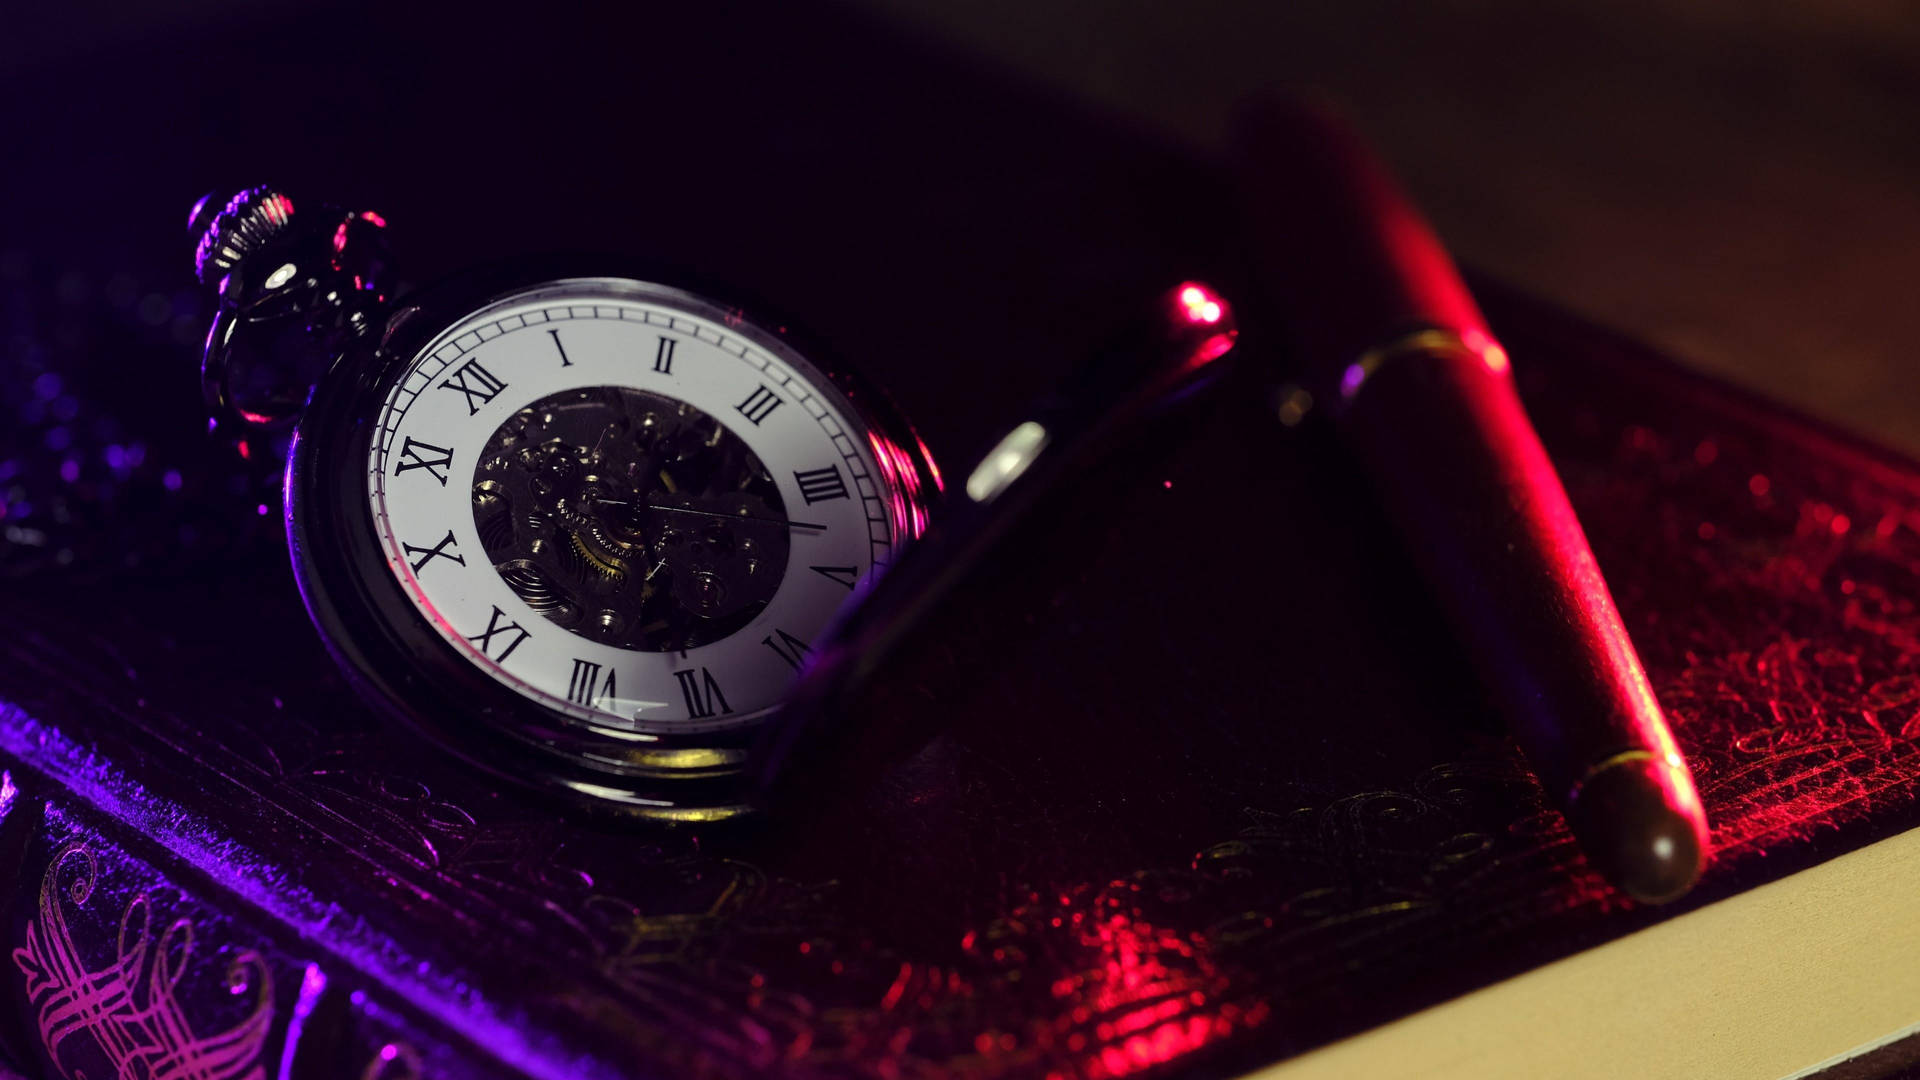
pixel 717 514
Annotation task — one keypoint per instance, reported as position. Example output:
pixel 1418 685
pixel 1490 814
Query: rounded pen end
pixel 1640 821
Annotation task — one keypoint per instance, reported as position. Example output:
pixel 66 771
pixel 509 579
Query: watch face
pixel 626 504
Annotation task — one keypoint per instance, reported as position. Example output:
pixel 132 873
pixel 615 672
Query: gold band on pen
pixel 1474 344
pixel 1621 758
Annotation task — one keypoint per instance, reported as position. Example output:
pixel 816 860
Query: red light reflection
pixel 1201 305
pixel 1489 350
pixel 906 503
pixel 1211 349
pixel 1197 306
pixel 933 467
pixel 1142 991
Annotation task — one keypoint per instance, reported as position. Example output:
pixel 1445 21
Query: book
pixel 1213 796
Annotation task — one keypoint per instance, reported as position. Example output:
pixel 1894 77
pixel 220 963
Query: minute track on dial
pixel 628 505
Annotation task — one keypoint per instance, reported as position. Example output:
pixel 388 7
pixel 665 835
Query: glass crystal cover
pixel 624 503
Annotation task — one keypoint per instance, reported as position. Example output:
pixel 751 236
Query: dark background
pixel 1734 181
pixel 957 237
pixel 1737 182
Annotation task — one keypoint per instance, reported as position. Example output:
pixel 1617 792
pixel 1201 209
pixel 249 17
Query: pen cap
pixel 1427 403
pixel 1361 267
pixel 1469 485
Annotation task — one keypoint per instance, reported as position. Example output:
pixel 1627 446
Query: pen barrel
pixel 1465 478
pixel 1462 473
pixel 1386 330
pixel 1351 260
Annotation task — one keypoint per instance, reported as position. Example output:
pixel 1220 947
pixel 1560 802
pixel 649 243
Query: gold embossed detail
pixel 128 1009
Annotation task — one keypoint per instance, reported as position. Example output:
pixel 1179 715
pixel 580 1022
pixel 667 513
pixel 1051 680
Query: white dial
pixel 624 504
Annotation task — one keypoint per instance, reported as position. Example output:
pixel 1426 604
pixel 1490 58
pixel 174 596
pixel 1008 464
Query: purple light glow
pixel 1350 381
pixel 497 1025
pixel 312 985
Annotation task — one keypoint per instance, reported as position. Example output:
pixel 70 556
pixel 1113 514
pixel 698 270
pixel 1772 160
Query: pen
pixel 1423 396
pixel 1172 349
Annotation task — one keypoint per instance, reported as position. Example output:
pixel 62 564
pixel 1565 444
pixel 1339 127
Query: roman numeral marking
pixel 415 454
pixel 844 575
pixel 476 382
pixel 819 485
pixel 758 404
pixel 555 335
pixel 428 554
pixel 663 356
pixel 494 629
pixel 788 648
pixel 702 693
pixel 580 689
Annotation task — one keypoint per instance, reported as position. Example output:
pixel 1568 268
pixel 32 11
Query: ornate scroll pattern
pixel 1787 664
pixel 128 1010
pixel 1094 980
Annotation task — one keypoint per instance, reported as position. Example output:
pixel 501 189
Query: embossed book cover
pixel 1294 823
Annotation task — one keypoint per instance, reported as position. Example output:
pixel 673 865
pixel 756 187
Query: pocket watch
pixel 579 524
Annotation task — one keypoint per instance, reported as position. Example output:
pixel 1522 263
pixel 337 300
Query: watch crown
pixel 293 294
pixel 229 232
